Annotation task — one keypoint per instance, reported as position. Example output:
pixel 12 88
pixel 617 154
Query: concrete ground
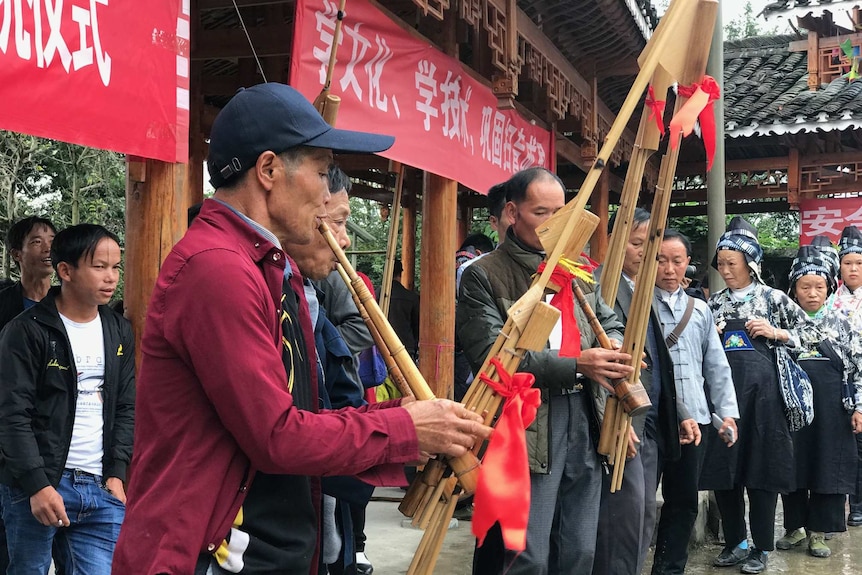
pixel 392 542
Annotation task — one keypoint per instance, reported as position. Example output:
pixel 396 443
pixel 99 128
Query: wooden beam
pixel 731 208
pixel 831 42
pixel 770 163
pixel 269 40
pixel 571 152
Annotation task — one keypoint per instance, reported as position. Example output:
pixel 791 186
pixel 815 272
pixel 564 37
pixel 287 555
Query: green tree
pixel 746 26
pixel 65 183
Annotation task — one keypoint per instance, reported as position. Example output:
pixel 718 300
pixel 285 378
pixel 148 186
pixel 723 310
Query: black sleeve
pixel 24 358
pixel 124 417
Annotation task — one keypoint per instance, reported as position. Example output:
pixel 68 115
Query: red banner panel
pixel 109 74
pixel 829 217
pixel 444 121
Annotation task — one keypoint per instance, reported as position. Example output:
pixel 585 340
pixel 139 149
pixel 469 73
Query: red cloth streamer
pixel 706 116
pixel 564 300
pixel 656 108
pixel 503 486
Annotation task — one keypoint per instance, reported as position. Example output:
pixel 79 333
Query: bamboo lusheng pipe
pixel 392 242
pixel 391 367
pixel 467 465
pixel 616 424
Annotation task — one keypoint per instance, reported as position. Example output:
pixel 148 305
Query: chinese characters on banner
pixel 443 120
pixel 829 217
pixel 109 74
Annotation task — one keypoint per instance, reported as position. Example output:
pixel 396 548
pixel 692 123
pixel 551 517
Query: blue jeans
pixel 86 547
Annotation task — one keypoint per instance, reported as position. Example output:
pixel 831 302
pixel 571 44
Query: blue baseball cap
pixel 275 117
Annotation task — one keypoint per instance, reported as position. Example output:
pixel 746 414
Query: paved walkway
pixel 391 545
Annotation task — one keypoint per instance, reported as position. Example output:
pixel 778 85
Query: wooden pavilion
pixel 792 122
pixel 564 66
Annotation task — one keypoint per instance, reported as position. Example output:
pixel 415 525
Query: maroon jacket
pixel 213 406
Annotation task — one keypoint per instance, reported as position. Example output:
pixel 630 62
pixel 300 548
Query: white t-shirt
pixel 88 348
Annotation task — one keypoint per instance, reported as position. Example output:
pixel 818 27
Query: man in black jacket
pixel 29 243
pixel 67 412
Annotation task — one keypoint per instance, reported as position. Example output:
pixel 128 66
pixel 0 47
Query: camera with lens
pixel 690 272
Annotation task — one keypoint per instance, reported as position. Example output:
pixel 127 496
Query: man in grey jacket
pixel 565 471
pixel 698 358
pixel 628 516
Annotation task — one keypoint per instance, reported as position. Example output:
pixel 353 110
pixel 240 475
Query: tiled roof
pixel 766 92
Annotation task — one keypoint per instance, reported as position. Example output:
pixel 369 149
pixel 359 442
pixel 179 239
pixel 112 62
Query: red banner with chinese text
pixel 828 217
pixel 444 120
pixel 102 73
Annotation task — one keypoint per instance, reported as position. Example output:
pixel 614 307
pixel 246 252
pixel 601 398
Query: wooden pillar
pixel 437 303
pixel 154 189
pixel 794 179
pixel 599 241
pixel 813 61
pixel 408 239
pixel 193 191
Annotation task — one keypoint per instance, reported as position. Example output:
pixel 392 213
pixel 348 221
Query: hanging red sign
pixel 102 73
pixel 443 119
pixel 828 217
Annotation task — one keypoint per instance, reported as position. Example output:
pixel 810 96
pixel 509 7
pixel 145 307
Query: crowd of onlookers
pixel 257 446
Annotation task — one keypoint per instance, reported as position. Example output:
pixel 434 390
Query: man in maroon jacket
pixel 229 437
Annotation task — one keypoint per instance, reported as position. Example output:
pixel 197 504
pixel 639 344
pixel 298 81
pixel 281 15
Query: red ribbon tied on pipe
pixel 503 486
pixel 699 106
pixel 564 300
pixel 656 108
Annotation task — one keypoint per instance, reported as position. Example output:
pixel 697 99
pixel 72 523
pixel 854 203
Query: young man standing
pixel 67 412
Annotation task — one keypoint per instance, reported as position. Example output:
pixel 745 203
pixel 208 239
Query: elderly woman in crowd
pixel 753 320
pixel 825 451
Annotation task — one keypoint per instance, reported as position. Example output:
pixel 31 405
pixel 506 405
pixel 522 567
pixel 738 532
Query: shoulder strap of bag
pixel 673 337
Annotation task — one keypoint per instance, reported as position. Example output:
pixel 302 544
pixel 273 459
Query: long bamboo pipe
pixel 466 466
pixel 391 367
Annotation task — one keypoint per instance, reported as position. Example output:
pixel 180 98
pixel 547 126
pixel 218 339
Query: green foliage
pixel 746 26
pixel 777 232
pixel 367 215
pixel 65 183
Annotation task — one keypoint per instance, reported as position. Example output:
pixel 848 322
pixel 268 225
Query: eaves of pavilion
pixel 566 65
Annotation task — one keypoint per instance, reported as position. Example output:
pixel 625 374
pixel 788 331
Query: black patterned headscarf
pixel 741 236
pixel 830 254
pixel 850 242
pixel 811 261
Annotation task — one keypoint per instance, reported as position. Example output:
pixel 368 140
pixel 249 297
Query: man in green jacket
pixel 565 469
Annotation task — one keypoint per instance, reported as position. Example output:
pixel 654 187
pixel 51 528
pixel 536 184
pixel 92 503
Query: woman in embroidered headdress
pixel 753 320
pixel 848 301
pixel 825 451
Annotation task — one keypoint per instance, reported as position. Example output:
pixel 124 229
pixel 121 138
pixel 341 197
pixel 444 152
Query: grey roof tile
pixel 767 84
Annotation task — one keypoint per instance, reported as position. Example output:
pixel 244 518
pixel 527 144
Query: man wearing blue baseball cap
pixel 230 440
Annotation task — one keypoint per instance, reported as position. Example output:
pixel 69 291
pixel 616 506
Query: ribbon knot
pixel 563 275
pixel 698 107
pixel 656 108
pixel 503 486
